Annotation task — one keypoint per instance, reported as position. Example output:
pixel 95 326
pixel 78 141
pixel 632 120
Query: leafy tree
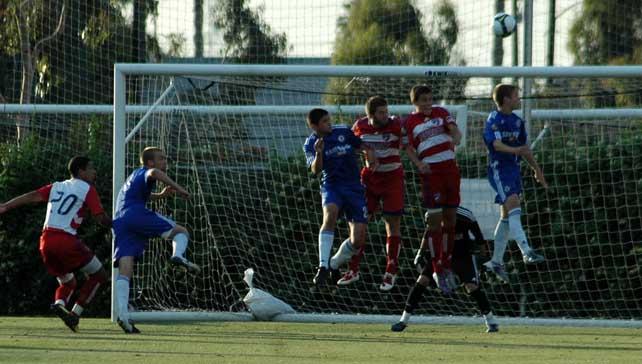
pixel 391 32
pixel 248 39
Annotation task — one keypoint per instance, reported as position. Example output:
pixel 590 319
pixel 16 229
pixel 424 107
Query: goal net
pixel 233 136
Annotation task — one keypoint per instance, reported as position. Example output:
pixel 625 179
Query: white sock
pixel 501 240
pixel 60 302
pixel 77 309
pixel 345 253
pixel 325 247
pixel 490 318
pixel 516 230
pixel 122 297
pixel 405 317
pixel 179 245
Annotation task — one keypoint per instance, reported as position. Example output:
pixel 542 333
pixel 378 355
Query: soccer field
pixel 46 340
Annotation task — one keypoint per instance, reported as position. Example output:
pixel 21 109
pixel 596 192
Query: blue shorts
pixel 350 199
pixel 505 181
pixel 134 227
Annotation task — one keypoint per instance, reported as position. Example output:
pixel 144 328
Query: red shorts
pixel 440 188
pixel 386 187
pixel 62 252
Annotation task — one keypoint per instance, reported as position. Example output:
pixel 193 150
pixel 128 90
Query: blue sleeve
pixel 523 136
pixel 491 131
pixel 310 153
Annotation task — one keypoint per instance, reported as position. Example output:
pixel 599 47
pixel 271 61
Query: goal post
pixel 233 135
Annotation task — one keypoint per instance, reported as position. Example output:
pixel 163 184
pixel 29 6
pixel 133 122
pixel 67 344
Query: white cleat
pixel 388 282
pixel 349 277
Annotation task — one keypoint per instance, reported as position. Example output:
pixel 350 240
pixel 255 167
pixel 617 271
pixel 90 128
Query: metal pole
pixel 528 61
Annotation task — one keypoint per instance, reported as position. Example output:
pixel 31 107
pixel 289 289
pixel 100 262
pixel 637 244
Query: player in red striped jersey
pixel 432 136
pixel 384 183
pixel 61 250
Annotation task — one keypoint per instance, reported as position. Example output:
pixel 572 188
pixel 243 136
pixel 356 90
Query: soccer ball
pixel 504 25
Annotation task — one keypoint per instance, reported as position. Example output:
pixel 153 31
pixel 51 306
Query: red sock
pixel 393 245
pixel 435 242
pixel 88 290
pixel 447 253
pixel 65 290
pixel 356 259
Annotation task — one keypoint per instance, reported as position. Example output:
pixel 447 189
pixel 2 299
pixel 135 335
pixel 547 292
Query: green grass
pixel 46 340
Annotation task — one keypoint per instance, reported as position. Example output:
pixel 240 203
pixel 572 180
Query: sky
pixel 310 26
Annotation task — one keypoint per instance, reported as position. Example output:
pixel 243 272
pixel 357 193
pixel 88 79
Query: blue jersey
pixel 136 191
pixel 340 165
pixel 510 129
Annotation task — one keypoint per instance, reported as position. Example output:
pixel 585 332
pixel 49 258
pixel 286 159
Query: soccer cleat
pixel 70 319
pixel 182 262
pixel 498 269
pixel 442 283
pixel 533 258
pixel 335 275
pixel 349 277
pixel 399 326
pixel 321 277
pixel 388 282
pixel 128 326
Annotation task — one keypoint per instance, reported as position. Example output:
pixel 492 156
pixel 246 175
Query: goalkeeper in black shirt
pixel 464 266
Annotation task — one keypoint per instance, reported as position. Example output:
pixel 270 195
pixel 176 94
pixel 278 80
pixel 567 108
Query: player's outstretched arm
pixel 530 159
pixel 159 175
pixel 27 198
pixel 501 147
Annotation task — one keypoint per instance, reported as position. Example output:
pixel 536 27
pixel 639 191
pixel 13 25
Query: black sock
pixel 414 297
pixel 482 301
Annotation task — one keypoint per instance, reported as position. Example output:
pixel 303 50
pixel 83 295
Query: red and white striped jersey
pixel 429 135
pixel 68 204
pixel 386 141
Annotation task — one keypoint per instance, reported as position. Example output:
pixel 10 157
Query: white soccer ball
pixel 504 25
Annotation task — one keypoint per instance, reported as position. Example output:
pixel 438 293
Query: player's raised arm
pixel 27 198
pixel 159 175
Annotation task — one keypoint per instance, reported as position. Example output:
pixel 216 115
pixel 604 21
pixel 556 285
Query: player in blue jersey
pixel 332 151
pixel 134 224
pixel 505 136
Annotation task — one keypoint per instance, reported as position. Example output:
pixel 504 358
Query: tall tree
pixel 248 39
pixel 391 32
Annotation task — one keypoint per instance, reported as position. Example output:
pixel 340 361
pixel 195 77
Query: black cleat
pixel 70 319
pixel 128 327
pixel 492 328
pixel 321 277
pixel 182 262
pixel 335 275
pixel 399 326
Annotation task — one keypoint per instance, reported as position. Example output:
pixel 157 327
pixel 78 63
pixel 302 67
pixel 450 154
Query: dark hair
pixel 148 154
pixel 315 115
pixel 76 164
pixel 373 103
pixel 502 90
pixel 417 91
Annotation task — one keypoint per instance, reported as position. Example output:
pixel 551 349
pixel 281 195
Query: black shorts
pixel 464 262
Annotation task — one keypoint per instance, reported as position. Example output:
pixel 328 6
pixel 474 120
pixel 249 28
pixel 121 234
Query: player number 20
pixel 67 202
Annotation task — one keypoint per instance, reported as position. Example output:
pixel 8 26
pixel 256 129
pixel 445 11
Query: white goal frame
pixel 120 109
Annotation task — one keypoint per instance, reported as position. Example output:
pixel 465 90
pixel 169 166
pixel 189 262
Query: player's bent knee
pixel 93 266
pixel 178 229
pixel 423 280
pixel 66 278
pixel 470 287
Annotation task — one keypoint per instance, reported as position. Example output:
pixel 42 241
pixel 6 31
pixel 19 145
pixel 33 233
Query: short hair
pixel 502 90
pixel 417 91
pixel 76 164
pixel 373 103
pixel 148 154
pixel 315 115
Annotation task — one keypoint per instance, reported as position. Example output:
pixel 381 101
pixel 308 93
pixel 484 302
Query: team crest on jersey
pixel 341 138
pixel 433 122
pixel 506 188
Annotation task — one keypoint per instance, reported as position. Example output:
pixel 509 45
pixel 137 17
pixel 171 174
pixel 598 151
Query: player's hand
pixel 523 151
pixel 456 139
pixel 3 208
pixel 373 165
pixel 318 145
pixel 539 177
pixel 424 168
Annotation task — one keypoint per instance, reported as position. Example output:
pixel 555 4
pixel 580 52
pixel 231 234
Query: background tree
pixel 391 32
